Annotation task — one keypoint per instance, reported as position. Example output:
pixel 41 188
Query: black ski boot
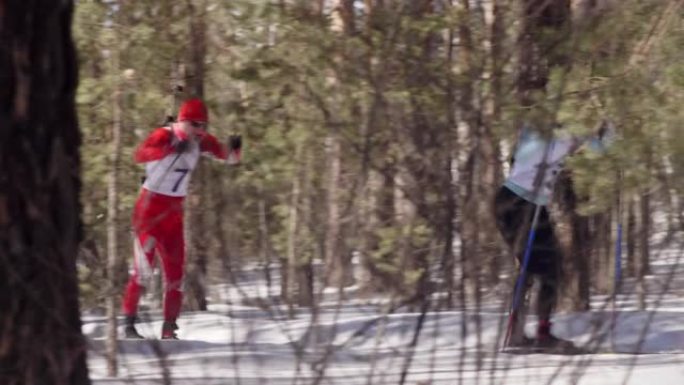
pixel 169 330
pixel 130 332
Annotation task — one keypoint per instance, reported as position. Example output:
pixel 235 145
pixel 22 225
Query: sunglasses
pixel 198 124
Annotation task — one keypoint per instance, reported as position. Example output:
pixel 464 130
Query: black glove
pixel 234 142
pixel 181 146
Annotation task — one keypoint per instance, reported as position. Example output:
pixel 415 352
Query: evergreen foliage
pixel 420 97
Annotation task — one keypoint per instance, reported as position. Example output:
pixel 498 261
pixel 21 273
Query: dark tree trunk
pixel 643 254
pixel 544 25
pixel 337 267
pixel 498 60
pixel 448 260
pixel 377 191
pixel 604 258
pixel 576 249
pixel 644 251
pixel 470 223
pixel 338 270
pixel 631 239
pixel 290 264
pixel 645 235
pixel 305 270
pixel 449 188
pixel 196 233
pixel 40 225
pixel 113 250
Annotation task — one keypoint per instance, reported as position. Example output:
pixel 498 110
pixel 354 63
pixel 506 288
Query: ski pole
pixel 522 276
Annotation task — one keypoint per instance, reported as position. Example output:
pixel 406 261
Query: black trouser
pixel 513 218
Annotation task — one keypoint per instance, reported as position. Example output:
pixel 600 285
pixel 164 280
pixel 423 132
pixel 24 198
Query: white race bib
pixel 170 175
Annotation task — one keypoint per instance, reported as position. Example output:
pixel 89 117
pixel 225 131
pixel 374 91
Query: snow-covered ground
pixel 363 342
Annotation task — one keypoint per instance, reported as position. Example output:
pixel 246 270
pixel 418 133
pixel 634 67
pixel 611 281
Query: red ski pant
pixel 158 226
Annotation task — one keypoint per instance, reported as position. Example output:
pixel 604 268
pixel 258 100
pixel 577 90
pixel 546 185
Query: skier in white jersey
pixel 170 154
pixel 536 165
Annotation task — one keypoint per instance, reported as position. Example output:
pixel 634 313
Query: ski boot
pixel 130 331
pixel 169 330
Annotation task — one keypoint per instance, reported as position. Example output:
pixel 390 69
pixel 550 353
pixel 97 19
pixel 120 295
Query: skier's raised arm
pixel 230 152
pixel 209 144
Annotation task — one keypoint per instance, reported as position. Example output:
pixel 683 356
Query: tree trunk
pixel 426 139
pixel 644 253
pixel 603 268
pixel 196 231
pixel 369 194
pixel 305 271
pixel 449 188
pixel 113 260
pixel 370 188
pixel 631 239
pixel 289 280
pixel 643 256
pixel 645 234
pixel 265 241
pixel 382 214
pixel 472 203
pixel 40 226
pixel 544 27
pixel 497 53
pixel 573 232
pixel 197 242
pixel 221 220
pixel 338 270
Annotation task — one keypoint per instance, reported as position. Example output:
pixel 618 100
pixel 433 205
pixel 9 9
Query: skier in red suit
pixel 169 154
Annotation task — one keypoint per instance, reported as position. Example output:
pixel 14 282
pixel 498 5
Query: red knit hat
pixel 194 110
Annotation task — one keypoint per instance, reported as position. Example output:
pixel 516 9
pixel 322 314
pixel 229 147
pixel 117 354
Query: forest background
pixel 379 131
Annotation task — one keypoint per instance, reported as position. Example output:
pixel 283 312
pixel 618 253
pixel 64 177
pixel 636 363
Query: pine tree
pixel 39 198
